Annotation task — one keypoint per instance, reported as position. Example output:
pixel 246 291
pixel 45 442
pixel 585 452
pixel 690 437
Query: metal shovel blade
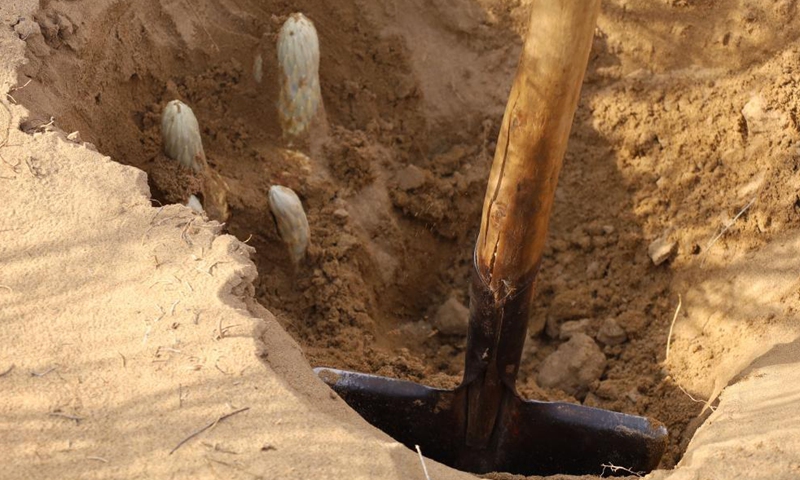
pixel 531 437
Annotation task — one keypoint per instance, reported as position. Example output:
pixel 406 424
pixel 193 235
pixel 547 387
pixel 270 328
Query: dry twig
pixel 727 227
pixel 184 235
pixel 422 461
pixel 42 374
pixel 43 127
pixel 203 25
pixel 696 400
pixel 152 225
pixel 74 418
pixel 615 469
pixel 210 425
pixel 671 326
pixel 217 448
pixel 14 89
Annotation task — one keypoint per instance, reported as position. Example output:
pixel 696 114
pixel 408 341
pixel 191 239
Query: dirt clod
pixel 410 178
pixel 573 367
pixel 569 329
pixel 760 118
pixel 611 333
pixel 452 318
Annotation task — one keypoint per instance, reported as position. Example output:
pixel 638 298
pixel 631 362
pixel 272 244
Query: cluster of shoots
pixel 298 63
pixel 181 136
pixel 299 100
pixel 290 218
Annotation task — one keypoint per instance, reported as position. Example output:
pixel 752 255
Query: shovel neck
pixel 498 325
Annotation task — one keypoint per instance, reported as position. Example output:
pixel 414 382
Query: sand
pixel 128 326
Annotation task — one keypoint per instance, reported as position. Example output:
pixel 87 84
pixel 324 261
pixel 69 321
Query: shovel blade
pixel 411 413
pixel 546 438
pixel 530 438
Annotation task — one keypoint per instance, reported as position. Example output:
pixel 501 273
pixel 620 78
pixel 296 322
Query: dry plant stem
pixel 74 418
pixel 726 228
pixel 210 425
pixel 422 461
pixel 697 400
pixel 42 374
pixel 15 89
pixel 616 469
pixel 671 326
pixel 203 25
pixel 532 142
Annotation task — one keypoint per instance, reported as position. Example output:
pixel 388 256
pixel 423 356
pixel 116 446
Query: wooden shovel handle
pixel 532 142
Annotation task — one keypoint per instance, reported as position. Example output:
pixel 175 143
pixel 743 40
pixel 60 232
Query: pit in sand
pixel 394 178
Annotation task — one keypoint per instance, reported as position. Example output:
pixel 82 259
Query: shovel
pixel 484 425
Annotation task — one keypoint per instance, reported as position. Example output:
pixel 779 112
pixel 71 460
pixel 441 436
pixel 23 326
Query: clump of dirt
pixel 393 177
pixel 350 158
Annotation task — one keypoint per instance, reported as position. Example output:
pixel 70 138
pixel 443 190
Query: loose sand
pixel 126 327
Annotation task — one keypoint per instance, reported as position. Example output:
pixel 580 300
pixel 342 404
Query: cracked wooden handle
pixel 532 142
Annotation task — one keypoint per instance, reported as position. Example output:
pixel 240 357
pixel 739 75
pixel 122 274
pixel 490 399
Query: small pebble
pixel 410 178
pixel 452 318
pixel 611 333
pixel 415 333
pixel 573 367
pixel 760 118
pixel 569 329
pixel 552 327
pixel 26 27
pixel 661 249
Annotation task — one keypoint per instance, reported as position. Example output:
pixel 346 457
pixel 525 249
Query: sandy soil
pixel 686 131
